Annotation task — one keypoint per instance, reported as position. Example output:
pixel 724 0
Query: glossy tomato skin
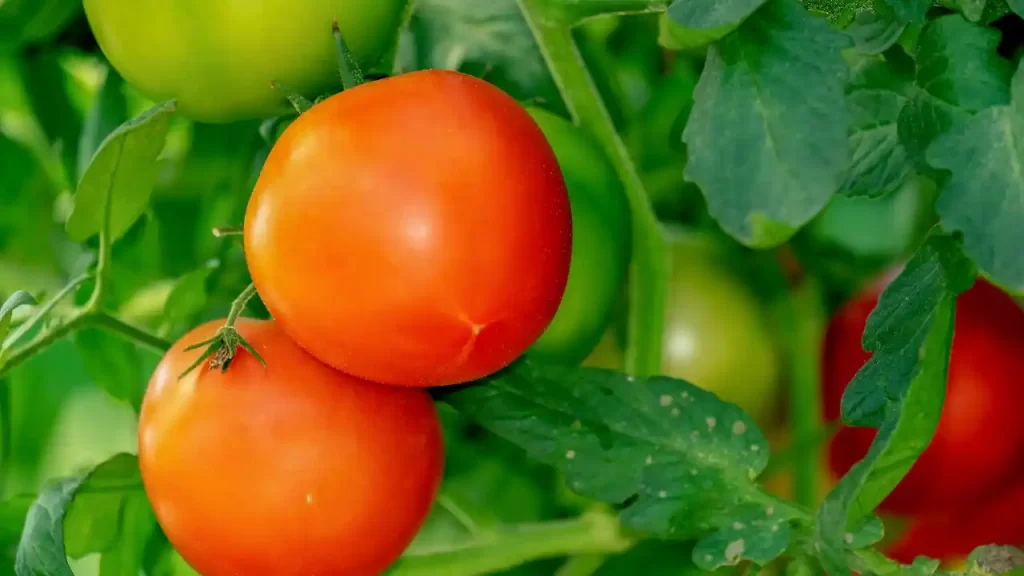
pixel 218 58
pixel 294 469
pixel 600 243
pixel 716 334
pixel 1000 520
pixel 414 231
pixel 979 444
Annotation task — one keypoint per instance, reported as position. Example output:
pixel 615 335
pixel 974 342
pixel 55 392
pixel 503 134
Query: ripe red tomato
pixel 999 521
pixel 414 231
pixel 979 444
pixel 292 469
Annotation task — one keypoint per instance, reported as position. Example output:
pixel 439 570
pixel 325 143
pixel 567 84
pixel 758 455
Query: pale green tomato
pixel 717 335
pixel 218 58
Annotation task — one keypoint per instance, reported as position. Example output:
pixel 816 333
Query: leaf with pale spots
pixel 682 462
pixel 759 535
pixel 900 390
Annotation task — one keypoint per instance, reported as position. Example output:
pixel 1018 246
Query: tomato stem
pixel 804 330
pixel 221 348
pixel 240 303
pixel 130 333
pixel 650 261
pixel 45 310
pixel 223 231
pixel 348 67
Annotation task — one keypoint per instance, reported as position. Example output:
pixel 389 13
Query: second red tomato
pixel 979 444
pixel 413 231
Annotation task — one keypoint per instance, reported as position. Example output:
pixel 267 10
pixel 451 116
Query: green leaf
pixel 768 146
pixel 705 14
pixel 875 98
pixel 47 89
pixel 900 389
pixel 41 550
pixel 756 537
pixel 984 197
pixel 127 555
pixel 13 512
pixel 1017 6
pixel 908 11
pixel 958 74
pixel 189 295
pixel 76 512
pixel 17 300
pixel 973 10
pixel 109 110
pixel 991 560
pixel 839 12
pixel 29 21
pixel 489 39
pixel 113 363
pixel 684 461
pixel 874 32
pixel 121 176
pixel 675 37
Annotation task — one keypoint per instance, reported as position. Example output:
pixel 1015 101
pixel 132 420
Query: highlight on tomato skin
pixel 978 446
pixel 413 231
pixel 292 469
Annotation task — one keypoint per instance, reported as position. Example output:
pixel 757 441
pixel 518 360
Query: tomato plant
pixel 454 273
pixel 975 432
pixel 218 61
pixel 600 243
pixel 296 469
pixel 518 287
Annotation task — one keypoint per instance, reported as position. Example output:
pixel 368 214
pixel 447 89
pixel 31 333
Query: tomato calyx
pixel 222 347
pixel 348 67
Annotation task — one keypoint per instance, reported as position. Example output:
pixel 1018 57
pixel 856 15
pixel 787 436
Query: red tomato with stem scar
pixel 414 231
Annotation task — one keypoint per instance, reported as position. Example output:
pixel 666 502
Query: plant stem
pixel 129 332
pixel 591 533
pixel 238 306
pixel 43 340
pixel 804 332
pixel 6 442
pixel 95 303
pixel 584 565
pixel 650 264
pixel 223 231
pixel 41 314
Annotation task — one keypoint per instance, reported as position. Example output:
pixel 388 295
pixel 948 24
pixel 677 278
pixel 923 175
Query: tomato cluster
pixel 965 490
pixel 410 232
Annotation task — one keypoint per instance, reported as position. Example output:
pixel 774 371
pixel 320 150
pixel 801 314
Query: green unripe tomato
pixel 600 243
pixel 717 335
pixel 218 58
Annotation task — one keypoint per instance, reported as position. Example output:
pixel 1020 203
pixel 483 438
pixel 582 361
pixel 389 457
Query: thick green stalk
pixel 804 338
pixel 650 264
